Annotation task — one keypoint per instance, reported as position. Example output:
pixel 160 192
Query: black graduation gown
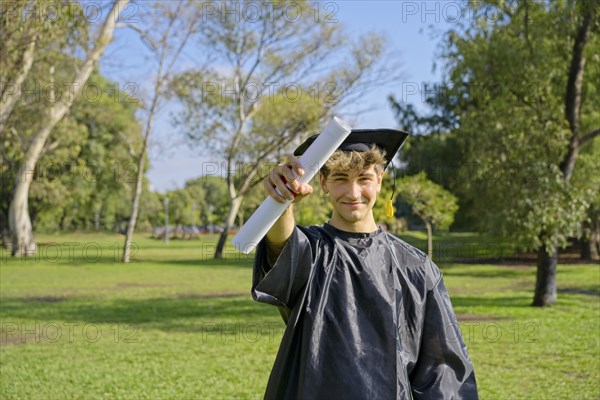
pixel 368 317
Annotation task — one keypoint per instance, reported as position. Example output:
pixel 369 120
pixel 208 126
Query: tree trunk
pixel 586 250
pixel 97 221
pixel 135 206
pixel 585 243
pixel 23 242
pixel 4 232
pixel 233 210
pixel 6 240
pixel 545 285
pixel 429 240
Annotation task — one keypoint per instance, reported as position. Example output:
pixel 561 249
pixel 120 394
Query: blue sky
pixel 412 29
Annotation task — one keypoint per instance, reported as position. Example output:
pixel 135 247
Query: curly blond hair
pixel 343 161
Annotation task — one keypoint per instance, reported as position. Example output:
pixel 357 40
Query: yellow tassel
pixel 389 208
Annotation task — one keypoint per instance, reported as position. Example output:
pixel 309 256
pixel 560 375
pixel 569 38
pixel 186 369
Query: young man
pixel 367 315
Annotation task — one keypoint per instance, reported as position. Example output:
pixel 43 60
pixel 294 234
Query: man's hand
pixel 282 182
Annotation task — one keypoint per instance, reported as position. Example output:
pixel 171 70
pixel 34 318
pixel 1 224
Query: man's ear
pixel 323 182
pixel 379 181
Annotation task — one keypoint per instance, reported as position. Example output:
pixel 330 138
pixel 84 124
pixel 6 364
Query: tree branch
pixel 573 95
pixel 13 98
pixel 586 138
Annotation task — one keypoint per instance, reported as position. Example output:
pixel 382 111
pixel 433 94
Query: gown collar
pixel 349 235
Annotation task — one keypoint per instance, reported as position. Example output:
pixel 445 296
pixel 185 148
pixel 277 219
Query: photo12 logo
pixel 257 11
pixel 70 332
pixel 455 12
pixel 53 92
pixel 72 252
pixel 254 92
pixel 49 12
pixel 250 332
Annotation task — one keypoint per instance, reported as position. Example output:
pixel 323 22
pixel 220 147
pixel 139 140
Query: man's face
pixel 352 194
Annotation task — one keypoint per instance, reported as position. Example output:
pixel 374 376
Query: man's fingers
pixel 282 186
pixel 295 166
pixel 272 189
pixel 282 182
pixel 277 185
pixel 303 191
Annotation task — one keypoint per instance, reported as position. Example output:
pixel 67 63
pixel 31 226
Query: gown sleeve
pixel 443 369
pixel 281 284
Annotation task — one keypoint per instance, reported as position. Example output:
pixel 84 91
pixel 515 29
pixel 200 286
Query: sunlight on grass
pixel 178 324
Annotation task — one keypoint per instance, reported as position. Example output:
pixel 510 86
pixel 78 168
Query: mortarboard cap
pixel 388 140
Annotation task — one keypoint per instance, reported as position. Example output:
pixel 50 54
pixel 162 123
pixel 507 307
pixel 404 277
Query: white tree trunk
pixel 135 206
pixel 23 242
pixel 233 211
pixel 18 213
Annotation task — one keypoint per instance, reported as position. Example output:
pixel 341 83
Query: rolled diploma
pixel 311 161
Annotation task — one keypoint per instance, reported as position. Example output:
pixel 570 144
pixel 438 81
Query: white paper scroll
pixel 311 161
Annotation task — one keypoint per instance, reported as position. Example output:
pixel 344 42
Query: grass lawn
pixel 177 324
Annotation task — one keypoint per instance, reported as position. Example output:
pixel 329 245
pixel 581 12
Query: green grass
pixel 177 324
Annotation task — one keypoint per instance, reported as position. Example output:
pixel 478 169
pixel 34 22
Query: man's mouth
pixel 352 203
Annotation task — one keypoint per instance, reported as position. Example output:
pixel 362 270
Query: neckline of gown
pixel 352 235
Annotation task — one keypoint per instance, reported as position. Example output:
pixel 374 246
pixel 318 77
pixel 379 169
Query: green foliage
pixel 180 207
pixel 315 209
pixel 507 83
pixel 429 201
pixel 53 25
pixel 89 166
pixel 210 193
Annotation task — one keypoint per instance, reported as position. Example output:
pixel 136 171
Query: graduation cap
pixel 388 140
pixel 360 140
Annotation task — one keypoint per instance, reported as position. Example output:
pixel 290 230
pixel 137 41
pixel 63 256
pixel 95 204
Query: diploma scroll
pixel 311 161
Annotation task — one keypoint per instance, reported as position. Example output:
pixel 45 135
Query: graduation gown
pixel 367 317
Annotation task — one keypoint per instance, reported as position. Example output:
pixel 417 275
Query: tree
pixel 25 32
pixel 434 149
pixel 180 208
pixel 211 197
pixel 19 219
pixel 169 28
pixel 434 205
pixel 314 209
pixel 83 173
pixel 89 170
pixel 524 95
pixel 274 85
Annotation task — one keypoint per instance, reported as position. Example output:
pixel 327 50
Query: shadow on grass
pixel 186 314
pixel 500 302
pixel 588 292
pixel 199 262
pixel 491 272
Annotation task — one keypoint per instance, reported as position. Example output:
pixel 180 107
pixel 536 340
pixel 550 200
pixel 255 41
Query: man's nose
pixel 354 190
